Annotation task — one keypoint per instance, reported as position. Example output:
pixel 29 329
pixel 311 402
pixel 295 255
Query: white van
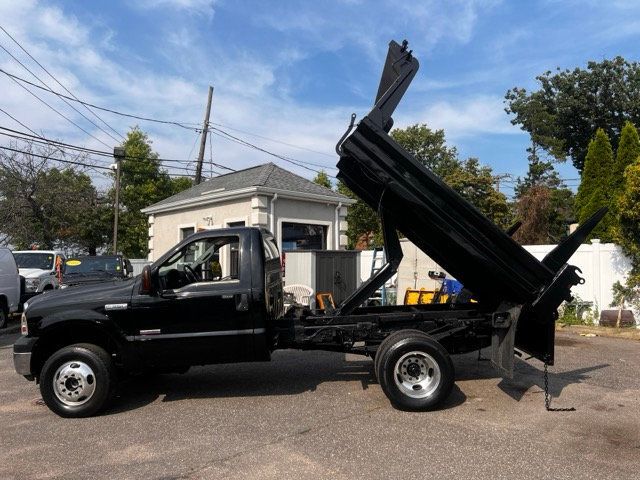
pixel 9 286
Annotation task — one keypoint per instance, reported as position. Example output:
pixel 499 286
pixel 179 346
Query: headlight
pixel 31 284
pixel 24 328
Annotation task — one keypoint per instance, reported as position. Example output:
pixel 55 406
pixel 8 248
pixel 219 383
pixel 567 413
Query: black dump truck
pixel 185 309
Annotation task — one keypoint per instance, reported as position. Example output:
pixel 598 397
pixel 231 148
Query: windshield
pixel 43 261
pixel 93 264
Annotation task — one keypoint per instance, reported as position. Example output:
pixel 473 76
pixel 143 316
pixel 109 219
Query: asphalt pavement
pixel 322 415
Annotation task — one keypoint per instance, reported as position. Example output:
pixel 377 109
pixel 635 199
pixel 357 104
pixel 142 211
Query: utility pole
pixel 203 139
pixel 499 177
pixel 118 154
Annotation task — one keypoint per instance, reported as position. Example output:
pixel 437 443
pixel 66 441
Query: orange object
pixel 59 268
pixel 324 300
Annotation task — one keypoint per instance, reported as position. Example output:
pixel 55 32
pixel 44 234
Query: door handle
pixel 242 302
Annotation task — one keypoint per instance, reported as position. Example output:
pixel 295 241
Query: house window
pixel 185 232
pixel 303 236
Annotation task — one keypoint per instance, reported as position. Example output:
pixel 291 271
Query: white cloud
pixel 463 118
pixel 202 7
pixel 94 72
pixel 248 95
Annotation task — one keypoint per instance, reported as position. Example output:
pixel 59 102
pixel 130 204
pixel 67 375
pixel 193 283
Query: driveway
pixel 322 415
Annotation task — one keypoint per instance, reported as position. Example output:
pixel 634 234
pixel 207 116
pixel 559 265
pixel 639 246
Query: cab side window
pixel 209 259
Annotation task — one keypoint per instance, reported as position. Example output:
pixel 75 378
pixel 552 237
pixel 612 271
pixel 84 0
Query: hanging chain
pixel 547 397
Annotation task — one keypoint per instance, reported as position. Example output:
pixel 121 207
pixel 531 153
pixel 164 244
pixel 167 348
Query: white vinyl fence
pixel 602 264
pixel 138 264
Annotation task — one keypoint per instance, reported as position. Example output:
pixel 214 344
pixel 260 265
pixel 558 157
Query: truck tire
pixel 386 343
pixel 415 371
pixel 78 380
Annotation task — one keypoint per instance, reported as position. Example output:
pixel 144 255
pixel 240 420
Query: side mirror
pixel 146 285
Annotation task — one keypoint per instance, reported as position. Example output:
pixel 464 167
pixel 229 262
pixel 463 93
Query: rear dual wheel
pixel 414 370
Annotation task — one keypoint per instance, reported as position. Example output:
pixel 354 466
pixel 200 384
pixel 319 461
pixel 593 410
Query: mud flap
pixel 504 323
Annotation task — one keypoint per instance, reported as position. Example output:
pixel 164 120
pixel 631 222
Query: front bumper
pixel 22 351
pixel 27 295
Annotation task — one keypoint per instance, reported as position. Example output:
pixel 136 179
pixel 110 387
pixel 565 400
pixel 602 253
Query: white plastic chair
pixel 302 293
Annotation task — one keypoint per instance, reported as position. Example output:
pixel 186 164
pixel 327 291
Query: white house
pixel 303 215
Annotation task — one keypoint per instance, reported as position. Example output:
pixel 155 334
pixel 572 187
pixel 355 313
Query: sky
pixel 287 75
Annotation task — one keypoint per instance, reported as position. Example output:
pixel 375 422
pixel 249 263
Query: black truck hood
pixel 82 297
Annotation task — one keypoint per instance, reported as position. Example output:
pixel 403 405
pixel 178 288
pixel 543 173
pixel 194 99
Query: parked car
pixel 9 286
pixel 39 269
pixel 85 270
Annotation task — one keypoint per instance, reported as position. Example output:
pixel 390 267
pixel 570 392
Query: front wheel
pixel 415 372
pixel 78 380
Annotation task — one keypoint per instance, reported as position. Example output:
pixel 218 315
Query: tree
pixel 429 147
pixel 364 225
pixel 542 203
pixel 628 237
pixel 322 179
pixel 44 204
pixel 628 151
pixel 540 172
pixel 628 228
pixel 595 190
pixel 563 115
pixel 475 182
pixel 143 182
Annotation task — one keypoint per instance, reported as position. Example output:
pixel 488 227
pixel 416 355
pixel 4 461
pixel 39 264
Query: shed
pixel 302 214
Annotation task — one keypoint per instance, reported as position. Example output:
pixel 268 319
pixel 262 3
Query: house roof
pixel 269 176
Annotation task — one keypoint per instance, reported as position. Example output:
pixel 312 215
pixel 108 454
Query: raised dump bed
pixel 412 199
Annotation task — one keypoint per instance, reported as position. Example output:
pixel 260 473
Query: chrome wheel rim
pixel 74 383
pixel 417 374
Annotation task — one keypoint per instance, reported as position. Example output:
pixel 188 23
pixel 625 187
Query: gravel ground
pixel 322 415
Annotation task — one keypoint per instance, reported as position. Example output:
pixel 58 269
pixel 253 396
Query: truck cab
pixel 210 299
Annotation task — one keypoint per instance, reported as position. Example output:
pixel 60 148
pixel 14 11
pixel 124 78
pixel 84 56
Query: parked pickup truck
pixel 199 304
pixel 40 270
pixel 87 269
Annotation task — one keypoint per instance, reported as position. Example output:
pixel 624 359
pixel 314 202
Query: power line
pixel 59 113
pixel 54 159
pixel 41 139
pixel 47 87
pixel 59 83
pixel 18 121
pixel 211 170
pixel 299 163
pixel 48 142
pixel 273 140
pixel 185 125
pixel 88 165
